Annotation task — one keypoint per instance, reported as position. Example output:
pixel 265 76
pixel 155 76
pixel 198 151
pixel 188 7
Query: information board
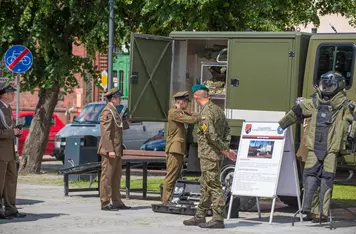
pixel 266 163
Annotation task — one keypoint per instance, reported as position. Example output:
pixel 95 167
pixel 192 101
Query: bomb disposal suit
pixel 331 116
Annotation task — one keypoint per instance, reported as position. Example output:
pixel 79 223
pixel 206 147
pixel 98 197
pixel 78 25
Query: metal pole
pixel 17 107
pixel 111 46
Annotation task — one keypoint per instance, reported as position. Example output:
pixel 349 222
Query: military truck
pixel 262 71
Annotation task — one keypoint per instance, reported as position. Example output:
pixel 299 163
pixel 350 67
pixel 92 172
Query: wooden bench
pixel 130 159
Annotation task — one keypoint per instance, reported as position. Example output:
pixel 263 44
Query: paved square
pixel 48 211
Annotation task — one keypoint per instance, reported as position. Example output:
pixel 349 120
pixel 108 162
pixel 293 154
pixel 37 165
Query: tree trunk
pixel 37 139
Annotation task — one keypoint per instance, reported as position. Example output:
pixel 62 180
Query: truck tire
pixel 246 203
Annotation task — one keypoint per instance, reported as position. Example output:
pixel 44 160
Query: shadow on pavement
pixel 133 207
pixel 337 223
pixel 132 197
pixel 237 224
pixel 276 219
pixel 20 202
pixel 30 217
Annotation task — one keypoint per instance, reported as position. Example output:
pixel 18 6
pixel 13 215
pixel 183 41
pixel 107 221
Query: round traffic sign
pixel 18 59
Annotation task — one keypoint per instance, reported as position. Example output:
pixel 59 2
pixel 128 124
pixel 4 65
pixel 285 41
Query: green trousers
pixel 318 178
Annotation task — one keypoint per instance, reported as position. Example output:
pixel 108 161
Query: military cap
pixel 114 92
pixel 197 87
pixel 6 87
pixel 184 95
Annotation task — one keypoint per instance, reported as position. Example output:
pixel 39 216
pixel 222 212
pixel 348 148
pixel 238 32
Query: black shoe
pixel 109 208
pixel 323 220
pixel 213 224
pixel 16 215
pixel 309 217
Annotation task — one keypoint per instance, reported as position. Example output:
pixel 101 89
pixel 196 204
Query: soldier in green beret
pixel 213 144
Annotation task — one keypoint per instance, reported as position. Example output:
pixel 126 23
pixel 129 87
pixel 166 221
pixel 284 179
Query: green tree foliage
pixel 49 29
pixel 164 16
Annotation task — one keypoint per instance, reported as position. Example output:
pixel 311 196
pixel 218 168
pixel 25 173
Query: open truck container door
pixel 150 80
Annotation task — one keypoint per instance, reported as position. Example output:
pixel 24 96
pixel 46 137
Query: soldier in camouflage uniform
pixel 331 114
pixel 178 118
pixel 213 142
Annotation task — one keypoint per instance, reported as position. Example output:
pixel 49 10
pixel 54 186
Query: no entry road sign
pixel 18 59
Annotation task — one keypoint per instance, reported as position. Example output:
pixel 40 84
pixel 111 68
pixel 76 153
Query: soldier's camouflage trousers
pixel 211 190
pixel 318 178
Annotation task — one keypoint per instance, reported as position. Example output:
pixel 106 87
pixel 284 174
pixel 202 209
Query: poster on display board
pixel 266 164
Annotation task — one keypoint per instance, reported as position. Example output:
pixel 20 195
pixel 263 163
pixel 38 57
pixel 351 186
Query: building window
pixel 335 57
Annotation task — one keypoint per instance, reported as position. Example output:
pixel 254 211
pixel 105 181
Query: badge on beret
pixel 203 127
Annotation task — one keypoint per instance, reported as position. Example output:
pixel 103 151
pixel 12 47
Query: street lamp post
pixel 111 44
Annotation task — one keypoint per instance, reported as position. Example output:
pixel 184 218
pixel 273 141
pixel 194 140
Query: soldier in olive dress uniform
pixel 111 150
pixel 8 169
pixel 178 118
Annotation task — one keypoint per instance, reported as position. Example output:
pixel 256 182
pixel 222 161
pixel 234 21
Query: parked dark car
pixel 155 143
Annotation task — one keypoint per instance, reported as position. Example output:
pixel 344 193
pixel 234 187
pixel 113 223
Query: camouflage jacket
pixel 213 132
pixel 341 117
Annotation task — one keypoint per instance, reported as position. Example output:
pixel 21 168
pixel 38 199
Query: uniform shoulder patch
pixel 203 118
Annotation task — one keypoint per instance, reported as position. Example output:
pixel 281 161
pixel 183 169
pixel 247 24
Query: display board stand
pixel 266 165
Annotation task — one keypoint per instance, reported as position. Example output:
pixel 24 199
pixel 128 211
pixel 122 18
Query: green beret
pixel 197 87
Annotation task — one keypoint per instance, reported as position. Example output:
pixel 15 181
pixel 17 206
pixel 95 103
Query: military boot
pixel 308 217
pixel 194 221
pixel 323 219
pixel 213 224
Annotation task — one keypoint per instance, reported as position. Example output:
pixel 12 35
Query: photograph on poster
pixel 260 149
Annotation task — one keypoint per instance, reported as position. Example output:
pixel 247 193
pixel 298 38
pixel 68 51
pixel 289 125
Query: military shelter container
pixel 244 71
